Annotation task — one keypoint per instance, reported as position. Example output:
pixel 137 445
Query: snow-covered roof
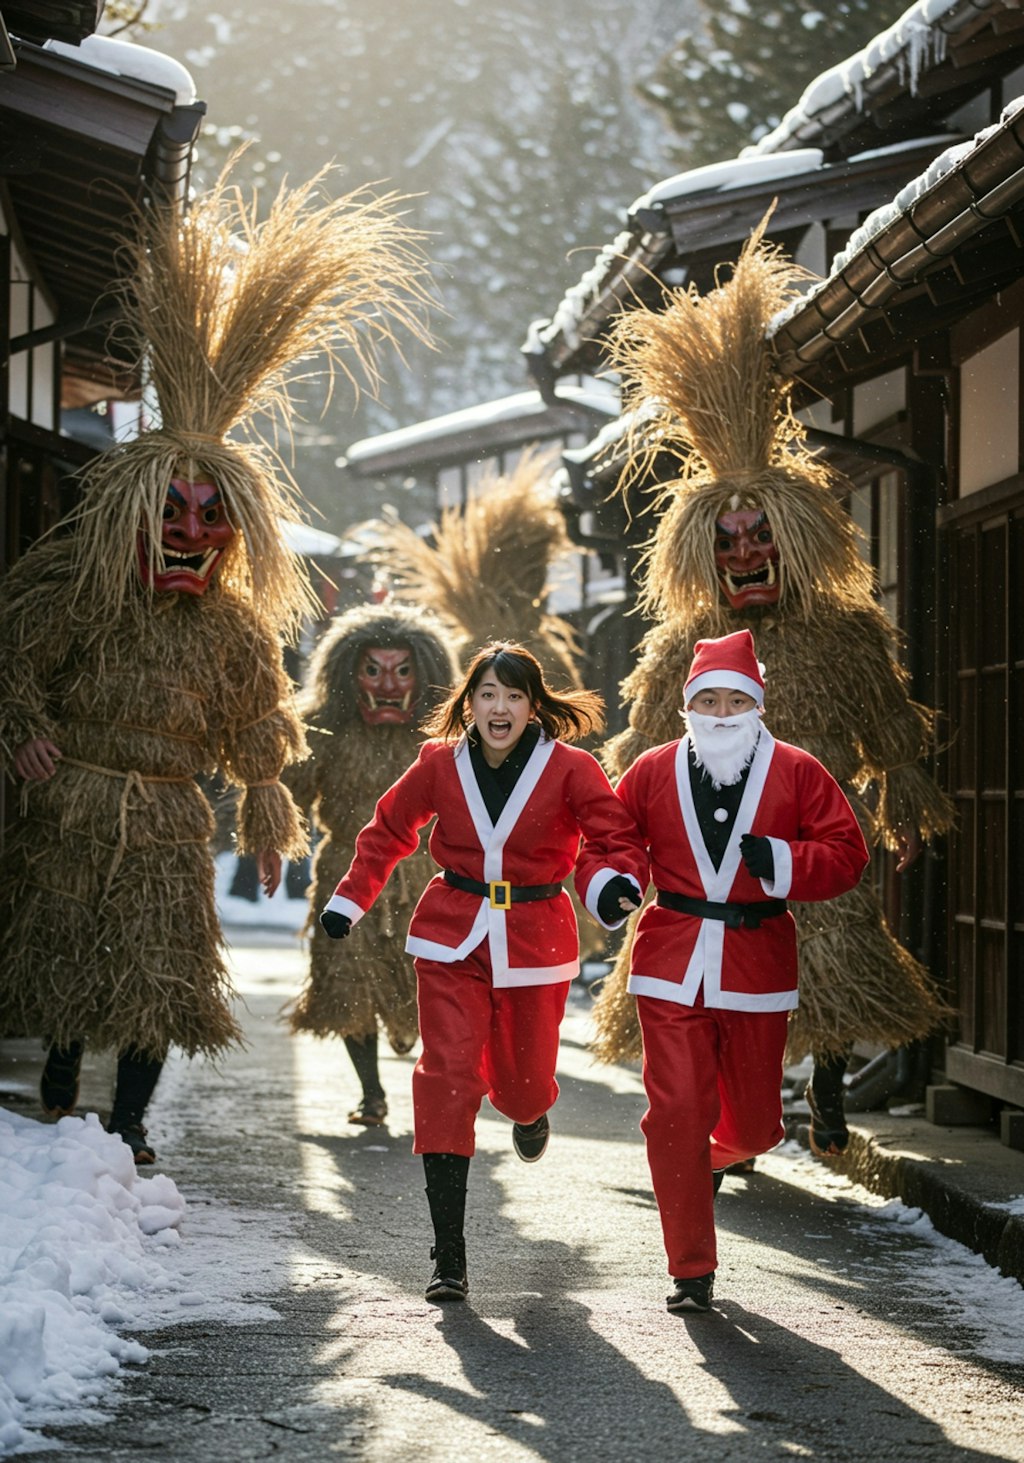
pixel 311 542
pixel 963 190
pixel 138 63
pixel 485 414
pixel 916 40
pixel 736 172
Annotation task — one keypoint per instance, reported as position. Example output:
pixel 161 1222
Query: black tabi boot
pixel 58 1086
pixel 828 1131
pixel 446 1175
pixel 373 1106
pixel 137 1076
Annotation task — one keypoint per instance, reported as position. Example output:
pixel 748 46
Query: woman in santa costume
pixel 736 823
pixel 494 935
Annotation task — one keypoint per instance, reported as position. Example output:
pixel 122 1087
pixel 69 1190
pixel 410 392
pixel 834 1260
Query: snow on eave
pixel 577 299
pixel 136 63
pixel 310 542
pixel 736 172
pixel 912 43
pixel 485 414
pixel 888 213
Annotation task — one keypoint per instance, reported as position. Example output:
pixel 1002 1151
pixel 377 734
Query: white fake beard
pixel 723 745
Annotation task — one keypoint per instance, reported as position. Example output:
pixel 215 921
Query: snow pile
pixel 81 1239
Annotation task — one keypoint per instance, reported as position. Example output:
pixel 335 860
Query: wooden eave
pixel 696 233
pixel 983 42
pixel 434 451
pixel 960 240
pixel 80 148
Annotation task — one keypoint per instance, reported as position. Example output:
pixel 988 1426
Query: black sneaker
pixel 448 1281
pixel 134 1134
pixel 717 1175
pixel 693 1294
pixel 58 1085
pixel 530 1140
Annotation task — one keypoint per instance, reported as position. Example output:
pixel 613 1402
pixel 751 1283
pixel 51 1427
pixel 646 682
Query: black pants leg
pixel 446 1175
pixel 58 1086
pixel 137 1076
pixel 363 1051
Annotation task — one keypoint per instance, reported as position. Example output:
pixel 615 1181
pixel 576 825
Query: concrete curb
pixel 964 1179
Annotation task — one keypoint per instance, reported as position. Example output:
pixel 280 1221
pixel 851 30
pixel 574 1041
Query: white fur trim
pixel 537 975
pixel 782 854
pixel 730 679
pixel 338 904
pixel 594 888
pixel 668 990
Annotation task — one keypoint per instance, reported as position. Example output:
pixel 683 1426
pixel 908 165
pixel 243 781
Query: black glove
pixel 758 857
pixel 608 907
pixel 337 925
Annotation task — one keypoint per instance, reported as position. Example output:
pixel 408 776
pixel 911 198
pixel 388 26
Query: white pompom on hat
pixel 728 661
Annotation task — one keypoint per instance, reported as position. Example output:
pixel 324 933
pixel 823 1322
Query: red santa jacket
pixel 819 852
pixel 561 796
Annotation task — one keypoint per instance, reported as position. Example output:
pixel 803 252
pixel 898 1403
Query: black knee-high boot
pixel 373 1106
pixel 137 1076
pixel 829 1133
pixel 447 1175
pixel 58 1085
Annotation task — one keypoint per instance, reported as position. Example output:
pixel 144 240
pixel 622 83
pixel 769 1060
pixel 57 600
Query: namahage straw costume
pixel 378 672
pixel 486 573
pixel 141 645
pixel 752 536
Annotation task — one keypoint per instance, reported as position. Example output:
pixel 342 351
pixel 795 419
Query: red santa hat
pixel 728 661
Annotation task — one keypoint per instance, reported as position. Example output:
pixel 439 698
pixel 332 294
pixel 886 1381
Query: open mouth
pixel 387 703
pixel 764 578
pixel 201 565
pixel 499 728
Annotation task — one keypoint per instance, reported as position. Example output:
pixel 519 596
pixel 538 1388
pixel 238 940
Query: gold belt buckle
pixel 500 893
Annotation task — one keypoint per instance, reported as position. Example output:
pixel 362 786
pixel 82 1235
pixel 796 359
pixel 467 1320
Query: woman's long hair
pixel 567 715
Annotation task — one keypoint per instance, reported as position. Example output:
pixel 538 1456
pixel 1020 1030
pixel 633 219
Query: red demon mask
pixel 193 537
pixel 388 686
pixel 747 558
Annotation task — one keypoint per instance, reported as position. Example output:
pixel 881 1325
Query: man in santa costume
pixel 736 823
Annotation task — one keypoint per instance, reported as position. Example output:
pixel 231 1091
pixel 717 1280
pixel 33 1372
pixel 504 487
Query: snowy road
pixel 843 1328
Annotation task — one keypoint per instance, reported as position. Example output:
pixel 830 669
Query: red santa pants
pixel 481 1040
pixel 714 1084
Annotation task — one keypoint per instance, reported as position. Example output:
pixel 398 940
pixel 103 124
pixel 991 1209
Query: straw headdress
pixel 227 311
pixel 700 376
pixel 487 571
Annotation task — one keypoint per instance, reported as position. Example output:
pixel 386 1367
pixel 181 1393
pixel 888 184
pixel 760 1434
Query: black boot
pixel 58 1086
pixel 137 1076
pixel 446 1175
pixel 373 1106
pixel 828 1132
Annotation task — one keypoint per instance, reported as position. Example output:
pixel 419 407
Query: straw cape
pixel 350 764
pixel 834 686
pixel 108 930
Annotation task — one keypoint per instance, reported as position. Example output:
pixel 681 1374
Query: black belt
pixel 500 892
pixel 734 916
